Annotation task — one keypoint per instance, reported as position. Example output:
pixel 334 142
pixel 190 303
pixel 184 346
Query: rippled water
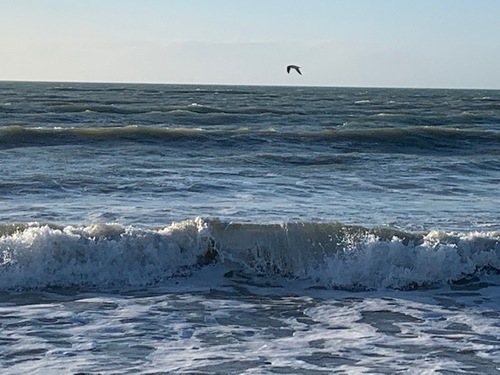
pixel 236 328
pixel 223 229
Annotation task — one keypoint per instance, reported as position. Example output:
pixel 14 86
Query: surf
pixel 329 255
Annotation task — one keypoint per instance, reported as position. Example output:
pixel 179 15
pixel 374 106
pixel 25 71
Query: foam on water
pixel 239 294
pixel 229 329
pixel 329 254
pixel 98 255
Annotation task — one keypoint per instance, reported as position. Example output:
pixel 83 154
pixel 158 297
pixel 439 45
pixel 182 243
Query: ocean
pixel 183 229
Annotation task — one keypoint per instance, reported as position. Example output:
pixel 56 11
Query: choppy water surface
pixel 213 229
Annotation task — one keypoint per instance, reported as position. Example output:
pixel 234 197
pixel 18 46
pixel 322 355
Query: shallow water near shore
pixel 210 323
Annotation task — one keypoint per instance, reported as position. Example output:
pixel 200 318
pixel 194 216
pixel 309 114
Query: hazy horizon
pixel 451 44
pixel 251 85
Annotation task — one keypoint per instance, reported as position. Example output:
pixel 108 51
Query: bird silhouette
pixel 290 67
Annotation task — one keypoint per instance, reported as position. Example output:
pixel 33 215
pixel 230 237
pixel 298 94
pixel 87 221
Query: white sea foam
pixel 329 254
pixel 207 296
pixel 97 255
pixel 392 264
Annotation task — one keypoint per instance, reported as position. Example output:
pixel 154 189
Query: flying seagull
pixel 297 68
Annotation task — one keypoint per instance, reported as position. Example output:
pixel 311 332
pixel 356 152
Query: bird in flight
pixel 290 67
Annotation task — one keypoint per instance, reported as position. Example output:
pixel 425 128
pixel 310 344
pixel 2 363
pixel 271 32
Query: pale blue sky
pixel 382 43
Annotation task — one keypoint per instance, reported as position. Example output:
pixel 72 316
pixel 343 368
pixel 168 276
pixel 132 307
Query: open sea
pixel 174 229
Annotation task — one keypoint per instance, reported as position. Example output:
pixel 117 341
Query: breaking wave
pixel 331 255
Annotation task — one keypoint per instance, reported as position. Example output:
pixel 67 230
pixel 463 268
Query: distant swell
pixel 128 108
pixel 332 255
pixel 404 140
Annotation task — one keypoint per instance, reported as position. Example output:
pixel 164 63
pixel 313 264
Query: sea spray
pixel 100 255
pixel 330 254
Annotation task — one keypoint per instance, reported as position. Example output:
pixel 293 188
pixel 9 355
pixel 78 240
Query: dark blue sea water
pixel 238 229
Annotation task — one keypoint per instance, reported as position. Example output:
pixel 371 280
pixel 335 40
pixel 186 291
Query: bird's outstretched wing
pixel 290 67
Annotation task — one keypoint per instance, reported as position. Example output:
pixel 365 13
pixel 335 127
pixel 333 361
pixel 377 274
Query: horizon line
pixel 247 84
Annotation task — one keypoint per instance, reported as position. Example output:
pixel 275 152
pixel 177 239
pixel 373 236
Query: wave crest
pixel 329 254
pixel 411 140
pixel 100 255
